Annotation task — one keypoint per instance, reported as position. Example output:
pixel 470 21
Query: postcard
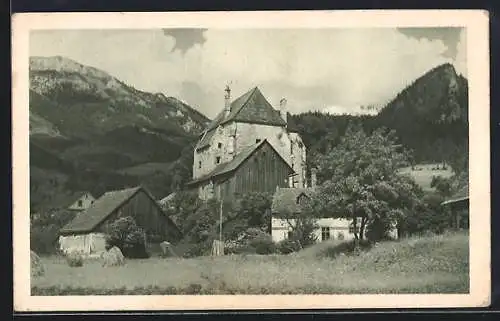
pixel 251 160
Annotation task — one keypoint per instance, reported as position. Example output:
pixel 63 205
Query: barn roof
pixel 101 209
pixel 61 201
pixel 285 200
pixel 236 162
pixel 251 107
pixel 460 196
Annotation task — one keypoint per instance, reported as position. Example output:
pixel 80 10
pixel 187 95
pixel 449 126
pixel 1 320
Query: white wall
pixel 280 228
pixel 86 244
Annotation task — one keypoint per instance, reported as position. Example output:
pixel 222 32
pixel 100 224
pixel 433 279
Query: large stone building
pixel 241 125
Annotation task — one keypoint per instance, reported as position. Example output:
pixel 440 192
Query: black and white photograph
pixel 240 156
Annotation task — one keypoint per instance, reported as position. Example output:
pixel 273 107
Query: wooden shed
pixel 258 168
pixel 86 232
pixel 458 205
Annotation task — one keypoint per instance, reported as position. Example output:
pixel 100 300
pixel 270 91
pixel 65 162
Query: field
pixel 423 173
pixel 433 264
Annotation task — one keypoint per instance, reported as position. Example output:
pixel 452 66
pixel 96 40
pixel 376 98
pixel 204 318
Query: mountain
pixel 94 132
pixel 430 117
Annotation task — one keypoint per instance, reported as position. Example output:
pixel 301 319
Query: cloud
pixel 448 35
pixel 461 58
pixel 312 68
pixel 185 38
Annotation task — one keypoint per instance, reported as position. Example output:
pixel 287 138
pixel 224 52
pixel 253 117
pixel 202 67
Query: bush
pixel 43 239
pixel 287 246
pixel 263 245
pixel 128 237
pixel 74 260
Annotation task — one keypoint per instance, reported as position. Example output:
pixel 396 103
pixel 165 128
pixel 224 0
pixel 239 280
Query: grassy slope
pixel 423 176
pixel 436 264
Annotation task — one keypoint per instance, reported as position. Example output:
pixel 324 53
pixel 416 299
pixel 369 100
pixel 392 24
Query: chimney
pixel 283 111
pixel 313 177
pixel 227 101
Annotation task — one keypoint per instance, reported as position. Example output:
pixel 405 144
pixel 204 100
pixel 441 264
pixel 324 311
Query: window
pixel 290 235
pixel 80 203
pixel 325 233
pixel 217 160
pixel 199 164
pixel 257 140
pixel 219 145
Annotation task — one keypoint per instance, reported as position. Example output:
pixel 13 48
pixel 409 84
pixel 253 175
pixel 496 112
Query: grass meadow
pixel 423 173
pixel 432 264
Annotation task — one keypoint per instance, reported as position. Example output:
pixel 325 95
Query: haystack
pixel 113 257
pixel 37 268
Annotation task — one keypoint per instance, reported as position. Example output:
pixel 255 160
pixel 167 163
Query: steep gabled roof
pixel 102 209
pixel 236 162
pixel 285 200
pixel 251 107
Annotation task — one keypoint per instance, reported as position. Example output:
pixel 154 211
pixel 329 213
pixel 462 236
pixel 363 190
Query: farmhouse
pixel 256 168
pixel 237 131
pixel 70 201
pixel 86 232
pixel 286 206
pixel 75 201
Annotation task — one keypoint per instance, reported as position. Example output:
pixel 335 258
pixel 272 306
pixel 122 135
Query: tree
pixel 360 181
pixel 128 237
pixel 303 225
pixel 442 185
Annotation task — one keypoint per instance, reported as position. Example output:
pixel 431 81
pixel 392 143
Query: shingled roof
pixel 251 107
pixel 102 209
pixel 285 200
pixel 233 164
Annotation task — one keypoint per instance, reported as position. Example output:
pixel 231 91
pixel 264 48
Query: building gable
pixel 237 161
pixel 251 107
pixel 107 205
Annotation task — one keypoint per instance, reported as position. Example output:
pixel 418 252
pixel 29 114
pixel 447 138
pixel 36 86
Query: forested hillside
pixel 430 118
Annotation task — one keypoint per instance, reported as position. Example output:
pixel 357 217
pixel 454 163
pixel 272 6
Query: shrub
pixel 128 237
pixel 74 259
pixel 43 239
pixel 263 245
pixel 287 246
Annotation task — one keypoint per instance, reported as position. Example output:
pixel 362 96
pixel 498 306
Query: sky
pixel 333 70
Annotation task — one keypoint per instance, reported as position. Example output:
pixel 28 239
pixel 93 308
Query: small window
pixel 325 233
pixel 80 203
pixel 199 164
pixel 257 140
pixel 219 145
pixel 290 235
pixel 217 160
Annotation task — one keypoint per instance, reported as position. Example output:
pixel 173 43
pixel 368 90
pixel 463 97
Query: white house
pixel 286 204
